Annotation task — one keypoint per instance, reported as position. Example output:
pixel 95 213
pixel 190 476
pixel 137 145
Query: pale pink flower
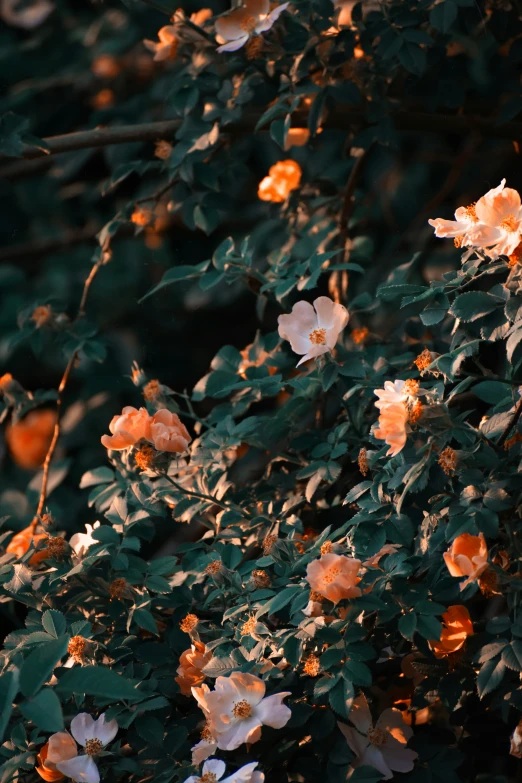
pixel 127 429
pixel 167 432
pixel 202 750
pixel 382 746
pixel 393 420
pixel 93 736
pixel 465 220
pixel 313 331
pixel 252 18
pixel 214 769
pixel 81 542
pixel 396 391
pixel 26 15
pixel 500 216
pixel 237 709
pixel 334 576
pixel 167 46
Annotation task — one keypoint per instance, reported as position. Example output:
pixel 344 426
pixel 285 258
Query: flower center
pixel 510 223
pixel 318 337
pixel 411 386
pixel 471 213
pixel 93 746
pixel 331 575
pixel 242 709
pixel 249 24
pixel 377 736
pixel 208 777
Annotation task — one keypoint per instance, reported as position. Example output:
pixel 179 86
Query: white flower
pixel 310 331
pixel 252 18
pixel 21 14
pixel 202 750
pixel 93 735
pixel 382 746
pixel 237 709
pixel 398 391
pixel 214 769
pixel 81 542
pixel 465 220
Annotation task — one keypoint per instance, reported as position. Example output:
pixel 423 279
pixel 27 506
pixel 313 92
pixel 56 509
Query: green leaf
pixel 474 305
pixel 97 681
pixel 40 663
pixel 45 711
pixel 176 274
pixel 490 676
pixel 443 15
pixel 356 492
pixel 341 697
pixel 408 625
pixel 12 128
pixel 492 391
pixel 8 691
pixel 429 626
pixel 512 655
pixel 101 475
pixel 54 623
pixel 279 601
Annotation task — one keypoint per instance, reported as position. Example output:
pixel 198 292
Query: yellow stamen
pixel 318 337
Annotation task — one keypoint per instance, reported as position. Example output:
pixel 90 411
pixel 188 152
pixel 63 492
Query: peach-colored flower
pixel 21 542
pixel 382 746
pixel 465 220
pixel 200 17
pixel 26 15
pixel 297 137
pixel 167 46
pixel 127 429
pixel 252 18
pixel 237 709
pixel 283 177
pixel 167 432
pixel 60 747
pixel 516 742
pixel 392 427
pixel 334 576
pixel 467 556
pixel 457 626
pixel 313 331
pixel 191 662
pixel 28 439
pixel 387 549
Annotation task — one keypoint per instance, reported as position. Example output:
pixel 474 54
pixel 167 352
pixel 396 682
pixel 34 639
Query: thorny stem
pixel 59 403
pixel 512 423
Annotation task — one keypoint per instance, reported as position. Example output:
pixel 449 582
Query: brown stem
pixel 155 197
pixel 59 404
pixel 512 423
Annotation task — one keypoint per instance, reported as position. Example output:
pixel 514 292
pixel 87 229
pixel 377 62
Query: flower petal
pixel 272 712
pixel 61 747
pixel 105 730
pixel 374 758
pixel 233 46
pixel 360 714
pixel 215 767
pixel 81 769
pixel 82 728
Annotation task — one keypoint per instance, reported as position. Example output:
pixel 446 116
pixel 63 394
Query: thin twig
pixel 512 423
pixel 59 403
pixel 210 498
pixel 155 197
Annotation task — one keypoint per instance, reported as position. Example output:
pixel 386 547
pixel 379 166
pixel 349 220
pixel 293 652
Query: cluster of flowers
pixel 164 430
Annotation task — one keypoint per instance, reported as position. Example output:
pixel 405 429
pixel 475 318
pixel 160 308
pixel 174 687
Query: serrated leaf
pixel 408 625
pixel 54 623
pixel 490 676
pixel 8 691
pixel 39 665
pixel 97 681
pixel 512 655
pixel 45 711
pixel 473 305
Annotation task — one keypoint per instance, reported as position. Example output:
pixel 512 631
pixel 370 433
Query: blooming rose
pixel 393 420
pixel 467 556
pixel 214 769
pixel 313 331
pixel 81 542
pixel 93 735
pixel 382 747
pixel 457 627
pixel 283 177
pixel 167 46
pixel 127 429
pixel 167 432
pixel 26 15
pixel 191 662
pixel 334 576
pixel 237 709
pixel 21 542
pixel 60 747
pixel 28 439
pixel 252 18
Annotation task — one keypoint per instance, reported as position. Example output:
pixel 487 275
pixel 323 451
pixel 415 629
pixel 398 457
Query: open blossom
pixel 382 746
pixel 493 224
pixel 214 769
pixel 127 429
pixel 167 432
pixel 191 663
pixel 457 626
pixel 313 331
pixel 27 15
pixel 334 576
pixel 252 18
pixel 237 709
pixel 81 542
pixel 60 747
pixel 29 438
pixel 93 736
pixel 283 177
pixel 395 402
pixel 467 556
pixel 167 46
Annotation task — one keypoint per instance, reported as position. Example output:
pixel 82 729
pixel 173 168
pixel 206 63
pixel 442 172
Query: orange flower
pixel 167 46
pixel 105 66
pixel 61 747
pixel 127 429
pixel 467 556
pixel 283 177
pixel 103 99
pixel 29 439
pixel 168 433
pixel 334 576
pixel 297 137
pixel 457 627
pixel 191 662
pixel 201 16
pixel 392 427
pixel 20 543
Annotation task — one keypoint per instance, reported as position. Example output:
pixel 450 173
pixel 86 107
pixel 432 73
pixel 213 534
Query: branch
pixel 59 403
pixel 342 117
